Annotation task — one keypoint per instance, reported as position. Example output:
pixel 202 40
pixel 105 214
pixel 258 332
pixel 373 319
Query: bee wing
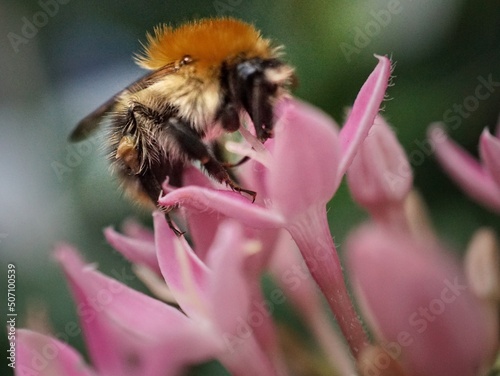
pixel 91 122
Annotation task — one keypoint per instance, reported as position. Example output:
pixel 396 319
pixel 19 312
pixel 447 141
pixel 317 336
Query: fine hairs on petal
pixel 365 108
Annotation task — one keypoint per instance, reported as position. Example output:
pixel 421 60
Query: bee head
pixel 208 42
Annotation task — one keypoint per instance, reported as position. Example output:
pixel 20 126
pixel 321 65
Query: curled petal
pixel 465 170
pixel 38 354
pixel 231 204
pixel 137 250
pixel 417 300
pixel 489 147
pixel 365 108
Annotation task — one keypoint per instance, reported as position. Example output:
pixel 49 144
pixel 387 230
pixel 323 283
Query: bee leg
pixel 217 152
pixel 153 188
pixel 216 169
pixel 236 164
pixel 193 146
pixel 172 225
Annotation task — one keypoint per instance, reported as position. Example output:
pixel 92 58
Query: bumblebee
pixel 203 76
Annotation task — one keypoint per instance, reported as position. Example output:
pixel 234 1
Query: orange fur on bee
pixel 208 41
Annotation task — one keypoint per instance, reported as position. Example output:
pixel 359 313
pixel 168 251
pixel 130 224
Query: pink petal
pixel 489 147
pixel 136 250
pixel 302 171
pixel 380 172
pixel 365 108
pixel 229 292
pixel 418 303
pixel 185 274
pixel 193 176
pixel 202 224
pixel 231 204
pixel 380 175
pixel 465 170
pixel 217 296
pixel 41 355
pixel 134 229
pixel 230 298
pixel 253 175
pixel 127 332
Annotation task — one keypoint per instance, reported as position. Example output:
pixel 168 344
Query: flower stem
pixel 312 235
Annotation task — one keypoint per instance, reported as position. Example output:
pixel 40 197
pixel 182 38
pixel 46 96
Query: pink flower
pixel 380 176
pixel 480 180
pixel 304 165
pixel 216 294
pixel 419 304
pixel 129 333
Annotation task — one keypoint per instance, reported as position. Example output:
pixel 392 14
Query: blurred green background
pixel 81 54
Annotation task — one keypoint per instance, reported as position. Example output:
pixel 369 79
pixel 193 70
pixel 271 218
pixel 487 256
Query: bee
pixel 203 77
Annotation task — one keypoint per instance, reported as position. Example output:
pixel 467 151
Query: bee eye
pixel 186 60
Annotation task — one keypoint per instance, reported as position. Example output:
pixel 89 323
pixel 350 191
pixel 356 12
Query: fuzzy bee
pixel 203 76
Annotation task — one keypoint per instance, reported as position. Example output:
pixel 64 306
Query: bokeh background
pixel 80 54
